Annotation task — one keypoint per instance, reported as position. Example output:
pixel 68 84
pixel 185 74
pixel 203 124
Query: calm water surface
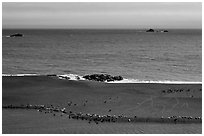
pixel 134 54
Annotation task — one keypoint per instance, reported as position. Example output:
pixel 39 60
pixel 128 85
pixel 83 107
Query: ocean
pixel 133 54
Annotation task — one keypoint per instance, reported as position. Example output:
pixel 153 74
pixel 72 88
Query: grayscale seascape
pixel 93 77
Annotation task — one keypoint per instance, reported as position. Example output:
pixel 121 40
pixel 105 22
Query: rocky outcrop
pixel 103 77
pixel 16 35
pixel 150 30
pixel 163 31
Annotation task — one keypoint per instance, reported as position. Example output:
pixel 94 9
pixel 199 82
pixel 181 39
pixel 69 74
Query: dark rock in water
pixel 16 35
pixel 103 77
pixel 163 31
pixel 51 75
pixel 150 30
pixel 118 78
pixel 77 77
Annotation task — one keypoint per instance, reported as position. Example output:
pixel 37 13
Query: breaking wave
pixel 154 81
pixel 76 77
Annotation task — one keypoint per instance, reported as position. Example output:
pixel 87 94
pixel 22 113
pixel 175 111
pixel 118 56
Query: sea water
pixel 133 54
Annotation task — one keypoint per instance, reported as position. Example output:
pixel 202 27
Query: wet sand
pixel 88 97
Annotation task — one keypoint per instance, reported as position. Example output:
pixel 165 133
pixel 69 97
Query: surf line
pixel 105 118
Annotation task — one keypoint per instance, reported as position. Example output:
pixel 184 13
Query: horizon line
pixel 102 28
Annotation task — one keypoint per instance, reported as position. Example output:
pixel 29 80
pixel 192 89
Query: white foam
pixel 20 74
pixel 77 77
pixel 154 81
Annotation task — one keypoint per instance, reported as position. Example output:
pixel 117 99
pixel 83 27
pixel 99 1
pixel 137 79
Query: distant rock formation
pixel 16 35
pixel 103 77
pixel 163 31
pixel 150 30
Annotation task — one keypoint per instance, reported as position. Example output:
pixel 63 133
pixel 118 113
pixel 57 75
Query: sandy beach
pixel 143 105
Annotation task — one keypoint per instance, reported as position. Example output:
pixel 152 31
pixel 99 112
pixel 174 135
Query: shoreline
pixel 75 77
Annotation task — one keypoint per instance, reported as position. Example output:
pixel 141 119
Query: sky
pixel 119 15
